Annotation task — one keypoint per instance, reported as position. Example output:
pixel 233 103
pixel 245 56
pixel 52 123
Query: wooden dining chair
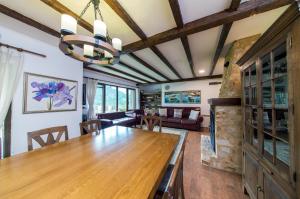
pixel 151 122
pixel 90 127
pixel 37 136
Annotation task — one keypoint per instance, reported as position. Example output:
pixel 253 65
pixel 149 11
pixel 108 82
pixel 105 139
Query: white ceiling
pixel 155 16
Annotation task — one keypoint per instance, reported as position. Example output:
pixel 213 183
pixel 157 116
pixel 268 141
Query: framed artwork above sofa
pixel 183 97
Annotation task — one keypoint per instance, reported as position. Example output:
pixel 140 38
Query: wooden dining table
pixel 119 162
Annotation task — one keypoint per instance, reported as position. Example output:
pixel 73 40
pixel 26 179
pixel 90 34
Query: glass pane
pixel 266 67
pixel 254 140
pixel 247 96
pixel 280 62
pixel 253 74
pixel 267 94
pixel 247 80
pixel 282 124
pixel 122 99
pixel 282 152
pixel 110 99
pixel 268 147
pixel 248 115
pixel 248 133
pixel 131 99
pixel 254 117
pixel 98 104
pixel 267 120
pixel 253 96
pixel 281 92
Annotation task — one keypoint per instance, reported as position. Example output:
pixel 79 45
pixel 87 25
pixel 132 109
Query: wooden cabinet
pixel 271 146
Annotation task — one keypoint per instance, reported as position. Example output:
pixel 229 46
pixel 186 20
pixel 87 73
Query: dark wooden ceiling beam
pixel 56 5
pixel 137 71
pixel 224 34
pixel 184 39
pixel 245 10
pixel 119 10
pixel 148 65
pixel 110 74
pixel 18 16
pixel 185 80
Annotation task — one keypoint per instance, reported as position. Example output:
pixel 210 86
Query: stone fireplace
pixel 222 149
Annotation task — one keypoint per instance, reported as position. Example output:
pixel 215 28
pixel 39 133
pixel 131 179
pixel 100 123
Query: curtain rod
pixel 22 50
pixel 108 81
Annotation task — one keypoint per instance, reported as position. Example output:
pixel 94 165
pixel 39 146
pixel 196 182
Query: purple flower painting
pixel 58 93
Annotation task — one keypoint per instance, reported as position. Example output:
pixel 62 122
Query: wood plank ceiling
pixel 163 40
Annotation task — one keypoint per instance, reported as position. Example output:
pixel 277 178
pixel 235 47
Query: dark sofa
pixel 184 122
pixel 127 119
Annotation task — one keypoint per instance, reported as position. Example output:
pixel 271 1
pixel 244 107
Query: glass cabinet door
pixel 274 83
pixel 250 101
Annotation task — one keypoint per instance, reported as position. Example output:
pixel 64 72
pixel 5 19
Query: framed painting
pixel 49 94
pixel 183 97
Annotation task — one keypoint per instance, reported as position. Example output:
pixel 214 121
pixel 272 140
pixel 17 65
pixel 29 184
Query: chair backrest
pixel 151 122
pixel 90 127
pixel 175 187
pixel 37 136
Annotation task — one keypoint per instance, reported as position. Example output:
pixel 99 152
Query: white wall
pixel 207 92
pixel 56 64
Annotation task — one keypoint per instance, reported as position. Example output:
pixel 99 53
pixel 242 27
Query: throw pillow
pixel 178 113
pixel 162 112
pixel 194 115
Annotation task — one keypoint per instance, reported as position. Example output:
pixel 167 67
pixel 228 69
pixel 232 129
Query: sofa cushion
pixel 162 112
pixel 188 121
pixel 194 115
pixel 174 120
pixel 178 113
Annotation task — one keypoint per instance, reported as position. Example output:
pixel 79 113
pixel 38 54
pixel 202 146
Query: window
pixel 131 99
pixel 98 105
pixel 122 99
pixel 110 98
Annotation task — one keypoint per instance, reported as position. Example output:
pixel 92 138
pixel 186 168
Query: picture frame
pixel 183 97
pixel 42 94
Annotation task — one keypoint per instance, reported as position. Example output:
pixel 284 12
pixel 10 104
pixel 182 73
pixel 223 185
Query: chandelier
pixel 100 49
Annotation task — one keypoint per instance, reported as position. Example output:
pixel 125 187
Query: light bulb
pixel 68 25
pixel 88 50
pixel 117 43
pixel 100 30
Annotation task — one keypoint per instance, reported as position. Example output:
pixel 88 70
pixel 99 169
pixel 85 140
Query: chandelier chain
pixel 84 10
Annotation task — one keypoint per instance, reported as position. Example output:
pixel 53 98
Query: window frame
pixel 117 100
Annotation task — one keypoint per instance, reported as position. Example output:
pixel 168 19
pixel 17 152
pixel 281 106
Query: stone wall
pixel 231 85
pixel 228 119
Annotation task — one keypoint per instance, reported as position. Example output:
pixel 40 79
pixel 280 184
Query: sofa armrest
pixel 200 119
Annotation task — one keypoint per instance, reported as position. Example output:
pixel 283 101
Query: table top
pixel 119 163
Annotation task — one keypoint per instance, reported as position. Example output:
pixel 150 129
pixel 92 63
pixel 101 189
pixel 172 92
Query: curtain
pixel 91 88
pixel 11 68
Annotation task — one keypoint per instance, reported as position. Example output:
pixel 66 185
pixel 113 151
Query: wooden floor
pixel 202 182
